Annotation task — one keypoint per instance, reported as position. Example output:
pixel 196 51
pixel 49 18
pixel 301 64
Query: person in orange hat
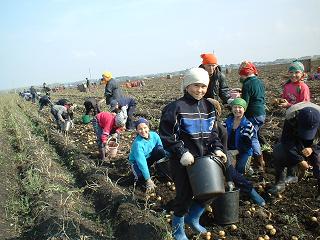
pixel 112 90
pixel 218 84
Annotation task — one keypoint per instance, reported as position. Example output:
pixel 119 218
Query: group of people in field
pixel 191 127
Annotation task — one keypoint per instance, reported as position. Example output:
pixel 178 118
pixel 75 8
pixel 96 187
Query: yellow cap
pixel 107 75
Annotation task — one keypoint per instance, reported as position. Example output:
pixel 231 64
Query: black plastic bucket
pixel 206 177
pixel 226 208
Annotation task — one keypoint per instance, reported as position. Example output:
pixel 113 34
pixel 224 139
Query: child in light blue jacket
pixel 146 149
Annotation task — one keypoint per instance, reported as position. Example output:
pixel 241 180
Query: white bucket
pixel 66 126
pixel 112 147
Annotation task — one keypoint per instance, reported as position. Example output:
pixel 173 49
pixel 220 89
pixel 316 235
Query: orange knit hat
pixel 209 58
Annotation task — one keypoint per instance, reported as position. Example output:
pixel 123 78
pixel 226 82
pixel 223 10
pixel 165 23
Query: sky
pixel 61 41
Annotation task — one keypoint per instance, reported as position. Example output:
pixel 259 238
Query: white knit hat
pixel 121 117
pixel 195 75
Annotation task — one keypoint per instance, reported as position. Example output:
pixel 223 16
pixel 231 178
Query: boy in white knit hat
pixel 187 131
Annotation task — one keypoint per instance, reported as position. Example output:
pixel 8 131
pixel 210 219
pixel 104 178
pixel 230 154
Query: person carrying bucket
pixel 187 132
pixel 105 125
pixel 146 150
pixel 62 114
pixel 233 177
pixel 240 131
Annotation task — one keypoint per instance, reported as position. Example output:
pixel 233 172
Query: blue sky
pixel 60 40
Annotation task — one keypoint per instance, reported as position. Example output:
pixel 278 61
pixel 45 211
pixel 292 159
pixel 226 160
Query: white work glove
pixel 230 186
pixel 221 155
pixel 150 185
pixel 186 159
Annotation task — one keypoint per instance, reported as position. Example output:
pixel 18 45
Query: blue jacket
pixel 243 134
pixel 126 101
pixel 141 150
pixel 187 124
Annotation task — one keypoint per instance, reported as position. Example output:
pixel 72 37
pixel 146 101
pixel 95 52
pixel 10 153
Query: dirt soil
pixel 290 214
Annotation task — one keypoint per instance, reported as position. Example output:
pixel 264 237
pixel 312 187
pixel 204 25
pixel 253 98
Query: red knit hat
pixel 209 58
pixel 247 68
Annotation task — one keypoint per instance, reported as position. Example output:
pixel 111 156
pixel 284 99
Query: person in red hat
pixel 253 92
pixel 218 84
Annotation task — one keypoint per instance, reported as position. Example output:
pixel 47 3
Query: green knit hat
pixel 239 102
pixel 296 66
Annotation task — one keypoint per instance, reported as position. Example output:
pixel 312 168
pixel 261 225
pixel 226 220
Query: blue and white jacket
pixel 243 134
pixel 187 124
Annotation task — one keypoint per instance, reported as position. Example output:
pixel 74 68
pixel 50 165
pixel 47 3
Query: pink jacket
pixel 295 92
pixel 106 121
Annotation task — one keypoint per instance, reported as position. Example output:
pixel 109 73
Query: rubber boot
pixel 178 228
pixel 102 152
pixel 193 217
pixel 256 198
pixel 291 176
pixel 280 182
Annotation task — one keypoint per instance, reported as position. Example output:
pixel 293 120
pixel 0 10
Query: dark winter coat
pixel 292 143
pixel 92 104
pixel 217 86
pixel 253 92
pixel 112 91
pixel 187 124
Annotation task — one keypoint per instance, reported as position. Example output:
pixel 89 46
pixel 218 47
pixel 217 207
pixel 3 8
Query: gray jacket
pixel 112 91
pixel 60 112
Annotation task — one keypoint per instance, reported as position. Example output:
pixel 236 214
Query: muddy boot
pixel 102 153
pixel 280 185
pixel 178 228
pixel 193 217
pixel 291 176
